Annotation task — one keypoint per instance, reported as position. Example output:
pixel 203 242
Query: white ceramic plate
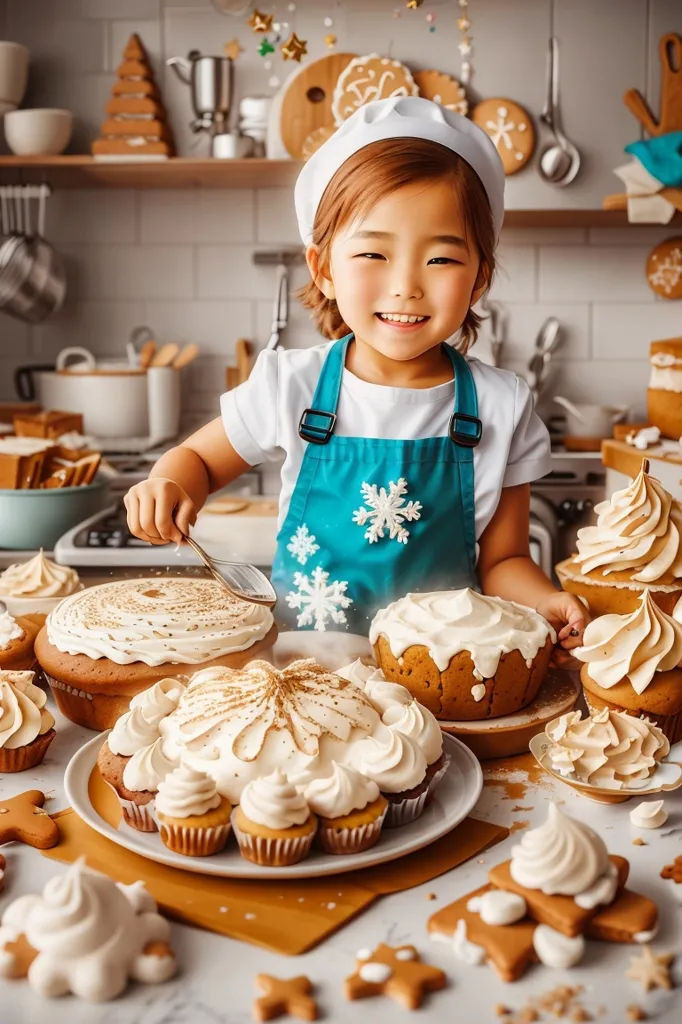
pixel 668 775
pixel 454 798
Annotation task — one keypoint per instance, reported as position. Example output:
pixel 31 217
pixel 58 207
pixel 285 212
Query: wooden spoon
pixel 186 356
pixel 166 354
pixel 147 353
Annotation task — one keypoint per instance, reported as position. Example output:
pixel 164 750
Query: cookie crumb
pixel 580 1015
pixel 431 896
pixel 501 1010
pixel 636 1013
pixel 638 841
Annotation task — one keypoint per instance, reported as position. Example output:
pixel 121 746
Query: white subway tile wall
pixel 181 261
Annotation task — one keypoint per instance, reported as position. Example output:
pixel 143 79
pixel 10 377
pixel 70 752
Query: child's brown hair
pixel 370 175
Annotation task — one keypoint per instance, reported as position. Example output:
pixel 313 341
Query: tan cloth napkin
pixel 287 917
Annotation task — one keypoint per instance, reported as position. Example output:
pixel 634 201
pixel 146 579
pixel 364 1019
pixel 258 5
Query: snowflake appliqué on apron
pixel 387 511
pixel 302 544
pixel 318 600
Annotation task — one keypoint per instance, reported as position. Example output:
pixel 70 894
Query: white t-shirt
pixel 261 420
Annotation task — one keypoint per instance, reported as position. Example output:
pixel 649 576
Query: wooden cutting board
pixel 307 102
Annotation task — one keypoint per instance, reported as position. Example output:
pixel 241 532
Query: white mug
pixel 163 393
pixel 229 146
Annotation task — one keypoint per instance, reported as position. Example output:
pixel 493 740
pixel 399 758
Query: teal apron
pixel 372 519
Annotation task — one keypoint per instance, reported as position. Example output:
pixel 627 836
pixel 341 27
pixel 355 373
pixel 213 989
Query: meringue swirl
pixel 563 857
pixel 186 792
pixel 132 732
pixel 605 747
pixel 159 700
pixel 22 710
pixel 39 577
pixel 451 621
pixel 390 759
pixel 418 724
pixel 177 620
pixel 274 802
pixel 634 646
pixel 639 531
pixel 10 630
pixel 343 791
pixel 148 767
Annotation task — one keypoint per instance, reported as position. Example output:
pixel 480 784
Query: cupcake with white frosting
pixel 273 823
pixel 104 645
pixel 463 655
pixel 132 761
pixel 26 727
pixel 193 818
pixel 633 663
pixel 398 766
pixel 636 545
pixel 17 640
pixel 350 810
pixel 37 586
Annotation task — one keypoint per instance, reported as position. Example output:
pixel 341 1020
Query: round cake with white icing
pixel 104 645
pixel 463 655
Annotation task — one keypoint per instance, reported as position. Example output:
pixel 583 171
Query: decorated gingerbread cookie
pixel 396 972
pixel 284 996
pixel 370 78
pixel 664 269
pixel 434 85
pixel 511 129
pixel 23 820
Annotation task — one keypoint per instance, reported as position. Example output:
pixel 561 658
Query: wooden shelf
pixel 180 172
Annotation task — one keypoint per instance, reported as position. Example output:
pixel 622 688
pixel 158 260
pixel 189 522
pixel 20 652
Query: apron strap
pixel 465 428
pixel 317 423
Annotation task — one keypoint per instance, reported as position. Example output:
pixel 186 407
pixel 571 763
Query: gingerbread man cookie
pixel 442 89
pixel 396 972
pixel 367 79
pixel 510 128
pixel 281 996
pixel 23 820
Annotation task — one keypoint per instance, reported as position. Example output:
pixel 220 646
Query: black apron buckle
pixel 316 433
pixel 472 433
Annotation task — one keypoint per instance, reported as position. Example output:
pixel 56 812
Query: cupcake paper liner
pixel 436 778
pixel 408 809
pixel 350 840
pixel 194 842
pixel 139 816
pixel 272 852
pixel 21 759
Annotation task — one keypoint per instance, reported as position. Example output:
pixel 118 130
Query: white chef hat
pixel 400 117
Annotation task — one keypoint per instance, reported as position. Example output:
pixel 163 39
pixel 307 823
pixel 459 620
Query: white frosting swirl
pixel 89 936
pixel 609 747
pixel 343 791
pixel 148 767
pixel 22 710
pixel 416 722
pixel 186 792
pixel 638 531
pixel 10 630
pixel 650 814
pixel 155 621
pixel 391 759
pixel 451 621
pixel 132 732
pixel 160 699
pixel 633 646
pixel 39 577
pixel 274 802
pixel 562 857
pixel 382 693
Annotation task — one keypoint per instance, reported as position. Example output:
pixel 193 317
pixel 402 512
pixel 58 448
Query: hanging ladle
pixel 560 161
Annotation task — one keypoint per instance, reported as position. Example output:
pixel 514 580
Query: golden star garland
pixel 294 48
pixel 465 46
pixel 260 22
pixel 233 49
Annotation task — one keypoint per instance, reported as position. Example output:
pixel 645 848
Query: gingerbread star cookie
pixel 284 995
pixel 511 129
pixel 396 972
pixel 651 969
pixel 23 820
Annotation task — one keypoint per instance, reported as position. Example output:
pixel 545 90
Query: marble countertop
pixel 215 983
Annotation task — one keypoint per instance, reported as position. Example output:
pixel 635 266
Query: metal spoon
pixel 559 162
pixel 243 581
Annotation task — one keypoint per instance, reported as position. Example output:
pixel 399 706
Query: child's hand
pixel 159 511
pixel 568 616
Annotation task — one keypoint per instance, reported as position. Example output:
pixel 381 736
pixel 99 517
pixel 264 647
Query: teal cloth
pixel 662 157
pixel 327 573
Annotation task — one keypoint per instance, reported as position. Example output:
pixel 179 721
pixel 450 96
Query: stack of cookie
pixel 137 126
pixel 46 451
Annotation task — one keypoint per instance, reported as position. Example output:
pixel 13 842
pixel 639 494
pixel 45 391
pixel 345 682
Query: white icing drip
pixel 466 951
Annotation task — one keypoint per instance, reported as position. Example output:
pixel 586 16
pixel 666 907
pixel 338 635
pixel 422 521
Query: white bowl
pixel 13 74
pixel 39 132
pixel 31 605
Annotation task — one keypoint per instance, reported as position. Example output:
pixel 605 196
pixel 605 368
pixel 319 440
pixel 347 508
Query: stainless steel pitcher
pixel 211 82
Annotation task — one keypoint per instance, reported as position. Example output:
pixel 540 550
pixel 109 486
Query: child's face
pixel 410 256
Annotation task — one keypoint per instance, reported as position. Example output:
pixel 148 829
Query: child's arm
pixel 163 507
pixel 506 570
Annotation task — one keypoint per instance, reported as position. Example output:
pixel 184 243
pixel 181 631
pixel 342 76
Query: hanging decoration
pixel 233 49
pixel 260 22
pixel 265 48
pixel 330 38
pixel 465 45
pixel 412 5
pixel 294 48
